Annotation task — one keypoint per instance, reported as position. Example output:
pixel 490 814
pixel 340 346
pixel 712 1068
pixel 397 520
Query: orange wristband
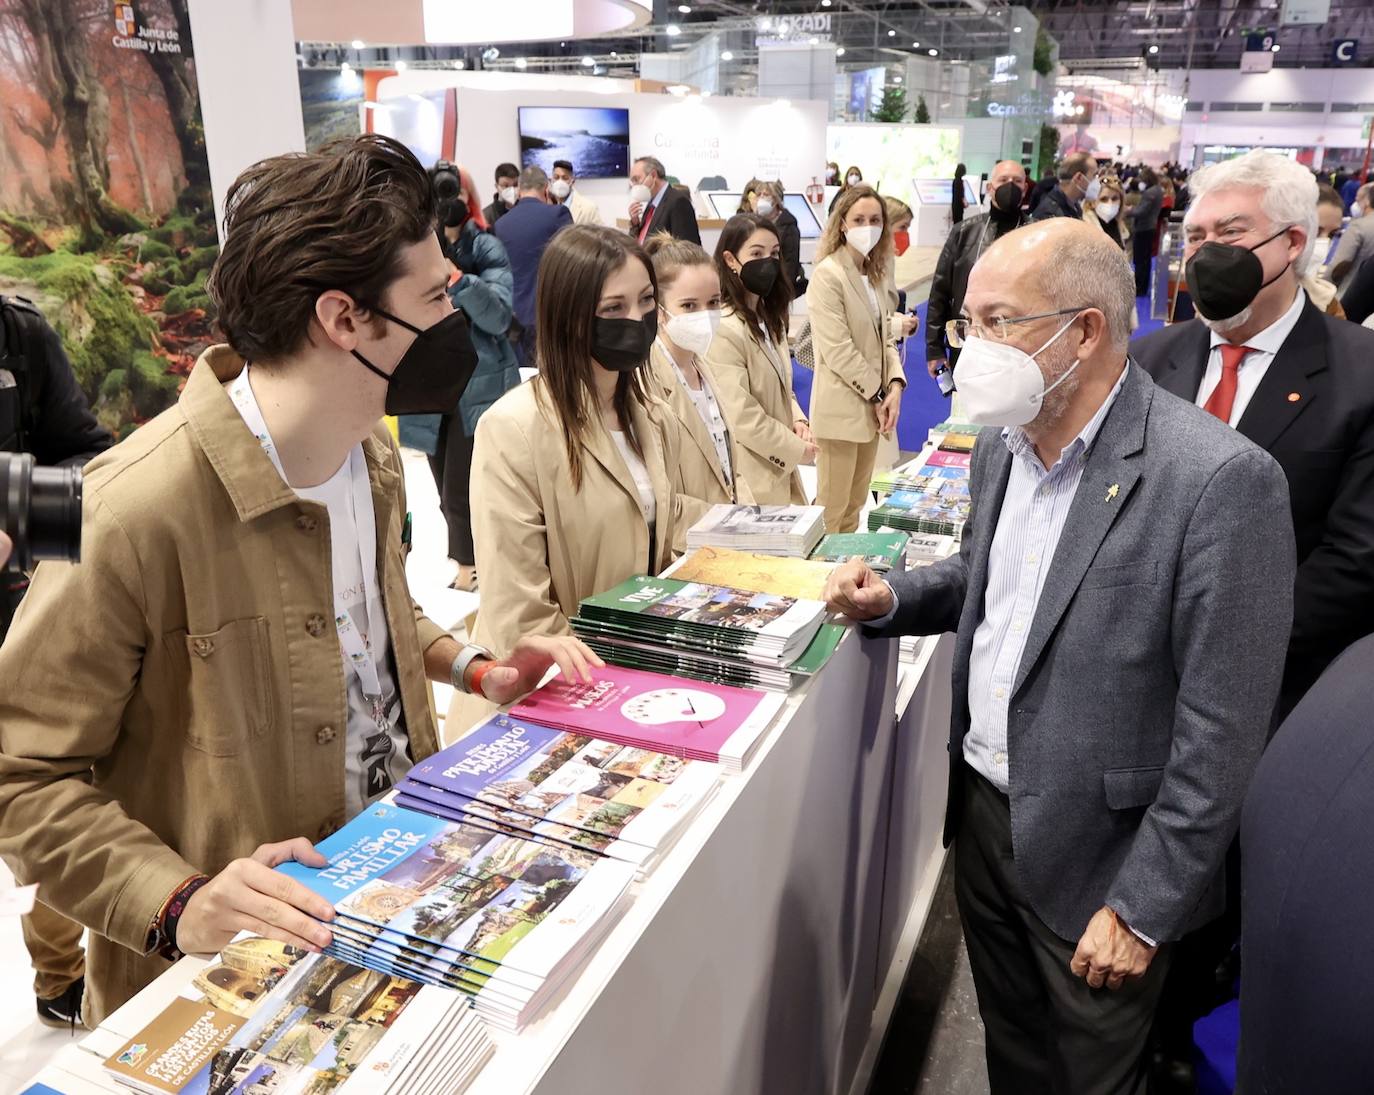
pixel 477 675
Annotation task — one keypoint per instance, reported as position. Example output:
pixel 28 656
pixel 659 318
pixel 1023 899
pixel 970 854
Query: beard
pixel 1231 323
pixel 1057 361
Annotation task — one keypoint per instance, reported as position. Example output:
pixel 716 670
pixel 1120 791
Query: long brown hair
pixel 832 239
pixel 772 310
pixel 572 273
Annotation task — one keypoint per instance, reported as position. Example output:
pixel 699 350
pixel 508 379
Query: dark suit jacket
pixel 526 229
pixel 1324 441
pixel 1056 204
pixel 674 215
pixel 1143 697
pixel 789 237
pixel 1306 842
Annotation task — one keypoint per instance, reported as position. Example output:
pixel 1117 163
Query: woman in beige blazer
pixel 688 315
pixel 572 473
pixel 752 366
pixel 857 393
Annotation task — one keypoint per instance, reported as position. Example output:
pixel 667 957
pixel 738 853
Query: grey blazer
pixel 1144 696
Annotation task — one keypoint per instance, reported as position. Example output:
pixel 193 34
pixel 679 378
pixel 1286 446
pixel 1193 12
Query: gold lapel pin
pixel 1113 491
pixel 1293 397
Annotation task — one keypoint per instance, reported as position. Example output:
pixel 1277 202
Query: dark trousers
pixel 1047 1031
pixel 1143 249
pixel 451 464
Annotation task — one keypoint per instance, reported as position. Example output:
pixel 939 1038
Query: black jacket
pixel 675 216
pixel 1308 899
pixel 1314 413
pixel 495 211
pixel 789 235
pixel 43 411
pixel 1056 204
pixel 966 241
pixel 1358 298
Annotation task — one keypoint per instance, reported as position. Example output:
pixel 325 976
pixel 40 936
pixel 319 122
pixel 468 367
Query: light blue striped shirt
pixel 1032 519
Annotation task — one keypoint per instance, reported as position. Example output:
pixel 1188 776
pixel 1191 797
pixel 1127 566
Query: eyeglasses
pixel 957 331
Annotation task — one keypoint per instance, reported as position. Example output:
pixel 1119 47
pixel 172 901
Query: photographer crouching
pixel 47 432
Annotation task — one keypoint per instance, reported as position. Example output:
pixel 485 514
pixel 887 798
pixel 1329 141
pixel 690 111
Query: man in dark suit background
pixel 657 206
pixel 526 229
pixel 1293 380
pixel 1308 991
pixel 1121 595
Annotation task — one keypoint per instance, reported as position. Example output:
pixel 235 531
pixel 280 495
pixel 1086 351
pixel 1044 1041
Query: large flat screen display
pixel 594 139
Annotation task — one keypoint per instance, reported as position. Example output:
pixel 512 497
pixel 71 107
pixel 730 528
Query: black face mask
pixel 1006 200
pixel 760 275
pixel 454 213
pixel 1224 280
pixel 434 371
pixel 622 345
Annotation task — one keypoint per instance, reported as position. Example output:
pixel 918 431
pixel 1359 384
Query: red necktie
pixel 644 224
pixel 1223 396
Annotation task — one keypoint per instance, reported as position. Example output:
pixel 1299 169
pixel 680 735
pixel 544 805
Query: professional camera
pixel 447 185
pixel 40 510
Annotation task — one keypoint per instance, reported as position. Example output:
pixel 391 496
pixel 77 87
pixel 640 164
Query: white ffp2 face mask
pixel 692 331
pixel 1001 385
pixel 864 238
pixel 641 194
pixel 509 195
pixel 560 188
pixel 1107 211
pixel 764 207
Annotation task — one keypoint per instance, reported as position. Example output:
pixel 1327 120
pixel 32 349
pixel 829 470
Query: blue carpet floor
pixel 922 405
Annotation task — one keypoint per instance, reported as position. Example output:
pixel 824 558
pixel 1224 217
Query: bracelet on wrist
pixel 165 930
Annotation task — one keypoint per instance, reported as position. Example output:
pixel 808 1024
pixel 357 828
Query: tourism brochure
pixel 767 530
pixel 803 579
pixel 880 550
pixel 691 719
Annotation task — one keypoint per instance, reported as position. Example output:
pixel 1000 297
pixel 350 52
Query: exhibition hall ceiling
pixel 1118 36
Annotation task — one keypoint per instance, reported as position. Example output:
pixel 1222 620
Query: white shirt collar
pixel 1272 337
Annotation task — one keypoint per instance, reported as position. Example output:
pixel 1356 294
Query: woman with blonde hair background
pixel 751 364
pixel 689 303
pixel 1105 212
pixel 859 380
pixel 573 473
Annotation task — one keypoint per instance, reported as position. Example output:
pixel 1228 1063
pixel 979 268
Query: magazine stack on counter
pixel 710 633
pixel 792 531
pixel 496 914
pixel 690 719
pixel 622 801
pixel 882 550
pixel 267 1017
pixel 928 494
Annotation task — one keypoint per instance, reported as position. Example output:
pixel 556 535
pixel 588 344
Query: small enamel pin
pixel 1293 397
pixel 1113 491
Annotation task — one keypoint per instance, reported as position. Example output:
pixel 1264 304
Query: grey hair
pixel 1288 192
pixel 653 164
pixel 1082 271
pixel 534 178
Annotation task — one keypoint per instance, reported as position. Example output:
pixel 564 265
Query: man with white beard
pixel 1266 360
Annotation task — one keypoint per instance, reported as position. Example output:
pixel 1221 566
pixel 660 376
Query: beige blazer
pixel 854 356
pixel 755 387
pixel 540 545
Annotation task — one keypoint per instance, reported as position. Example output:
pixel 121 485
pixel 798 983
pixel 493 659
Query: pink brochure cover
pixel 942 459
pixel 666 714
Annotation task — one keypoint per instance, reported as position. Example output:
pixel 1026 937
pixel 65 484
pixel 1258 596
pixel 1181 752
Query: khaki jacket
pixel 854 356
pixel 177 698
pixel 541 546
pixel 700 478
pixel 755 388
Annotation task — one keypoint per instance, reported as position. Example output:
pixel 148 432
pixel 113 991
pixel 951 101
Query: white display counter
pixel 766 951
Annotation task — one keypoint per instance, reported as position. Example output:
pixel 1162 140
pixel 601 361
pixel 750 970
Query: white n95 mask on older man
pixel 640 194
pixel 1001 385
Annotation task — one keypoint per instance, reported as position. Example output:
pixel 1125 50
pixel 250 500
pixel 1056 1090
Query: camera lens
pixel 40 510
pixel 446 186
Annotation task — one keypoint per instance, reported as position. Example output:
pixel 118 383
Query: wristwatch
pixel 469 654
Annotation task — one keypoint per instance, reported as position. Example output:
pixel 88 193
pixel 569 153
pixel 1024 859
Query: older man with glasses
pixel 1121 596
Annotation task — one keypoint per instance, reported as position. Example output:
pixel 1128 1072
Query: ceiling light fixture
pixel 1276 47
pixel 400 66
pixel 674 30
pixel 588 61
pixel 460 64
pixel 345 67
pixel 357 43
pixel 726 55
pixel 892 34
pixel 896 79
pixel 686 9
pixel 825 3
pixel 915 45
pixel 933 52
pixel 840 52
pixel 1154 49
pixel 813 41
pixel 520 62
pixel 1016 30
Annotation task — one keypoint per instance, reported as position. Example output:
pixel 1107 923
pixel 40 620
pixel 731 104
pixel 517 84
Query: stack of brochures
pixel 622 801
pixel 927 494
pixel 683 718
pixel 768 530
pixel 267 1017
pixel 710 633
pixel 500 915
pixel 801 578
pixel 882 550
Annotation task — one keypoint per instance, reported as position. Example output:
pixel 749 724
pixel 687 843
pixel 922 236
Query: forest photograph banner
pixel 106 217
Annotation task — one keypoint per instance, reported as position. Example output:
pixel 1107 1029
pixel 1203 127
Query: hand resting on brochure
pixel 857 592
pixel 248 895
